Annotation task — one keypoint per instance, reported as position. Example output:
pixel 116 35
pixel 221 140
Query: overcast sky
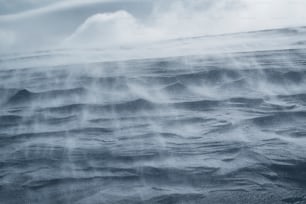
pixel 16 6
pixel 45 23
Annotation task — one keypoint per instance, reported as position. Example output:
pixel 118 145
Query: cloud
pixel 182 18
pixel 99 23
pixel 15 6
pixel 7 39
pixel 196 17
pixel 115 28
pixel 48 27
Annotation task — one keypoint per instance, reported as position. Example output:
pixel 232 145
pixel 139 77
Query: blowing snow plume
pixel 142 101
pixel 98 23
pixel 108 29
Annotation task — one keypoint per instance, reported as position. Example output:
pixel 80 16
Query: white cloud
pixel 77 22
pixel 194 17
pixel 112 29
pixel 7 39
pixel 182 18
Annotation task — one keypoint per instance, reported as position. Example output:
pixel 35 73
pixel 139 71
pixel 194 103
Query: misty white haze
pixel 98 23
pixel 152 101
